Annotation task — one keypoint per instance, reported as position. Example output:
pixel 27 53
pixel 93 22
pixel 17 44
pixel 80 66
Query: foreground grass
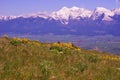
pixel 22 59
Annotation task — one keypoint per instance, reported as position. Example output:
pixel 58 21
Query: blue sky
pixel 17 7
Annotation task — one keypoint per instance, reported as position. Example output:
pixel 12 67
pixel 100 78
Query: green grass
pixel 32 60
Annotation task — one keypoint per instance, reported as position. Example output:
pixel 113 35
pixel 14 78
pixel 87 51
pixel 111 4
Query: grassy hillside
pixel 22 59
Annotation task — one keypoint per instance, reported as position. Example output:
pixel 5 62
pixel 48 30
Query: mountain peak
pixel 103 13
pixel 74 12
pixel 74 8
pixel 116 11
pixel 64 8
pixel 100 8
pixel 39 14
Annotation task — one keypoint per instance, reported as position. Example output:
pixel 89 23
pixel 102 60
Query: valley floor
pixel 106 43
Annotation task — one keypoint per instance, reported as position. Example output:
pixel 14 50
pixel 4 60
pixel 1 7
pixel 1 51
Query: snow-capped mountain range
pixel 64 14
pixel 100 11
pixel 70 13
pixel 75 20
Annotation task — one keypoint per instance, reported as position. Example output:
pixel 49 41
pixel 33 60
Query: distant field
pixel 109 44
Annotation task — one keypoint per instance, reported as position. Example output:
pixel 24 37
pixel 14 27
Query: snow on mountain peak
pixel 62 13
pixel 67 13
pixel 116 11
pixel 7 17
pixel 102 11
pixel 33 15
pixel 39 14
pixel 64 8
pixel 74 8
pixel 75 13
pixel 79 12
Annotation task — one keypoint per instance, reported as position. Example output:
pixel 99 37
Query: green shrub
pixel 56 48
pixel 15 42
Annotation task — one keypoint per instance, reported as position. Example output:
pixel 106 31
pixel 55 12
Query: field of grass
pixel 22 59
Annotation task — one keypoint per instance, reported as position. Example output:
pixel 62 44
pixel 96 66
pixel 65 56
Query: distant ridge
pixel 75 20
pixel 72 13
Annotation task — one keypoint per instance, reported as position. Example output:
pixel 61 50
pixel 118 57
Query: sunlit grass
pixel 22 59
